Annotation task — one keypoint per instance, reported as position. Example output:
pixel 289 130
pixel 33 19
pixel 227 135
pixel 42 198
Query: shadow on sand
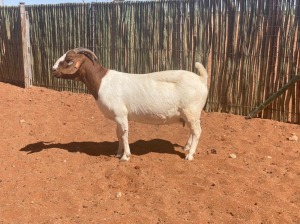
pixel 107 148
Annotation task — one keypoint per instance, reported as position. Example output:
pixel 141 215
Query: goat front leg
pixel 122 129
pixel 121 144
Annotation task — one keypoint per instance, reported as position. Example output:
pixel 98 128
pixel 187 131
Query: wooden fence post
pixel 25 46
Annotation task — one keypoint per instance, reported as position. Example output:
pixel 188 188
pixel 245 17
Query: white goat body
pixel 155 98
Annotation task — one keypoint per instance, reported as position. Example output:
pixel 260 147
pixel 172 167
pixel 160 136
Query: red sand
pixel 56 166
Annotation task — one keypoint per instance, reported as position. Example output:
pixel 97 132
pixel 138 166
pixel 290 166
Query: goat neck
pixel 91 74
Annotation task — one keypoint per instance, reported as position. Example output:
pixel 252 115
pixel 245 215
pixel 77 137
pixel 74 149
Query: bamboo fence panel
pixel 145 37
pixel 54 30
pixel 11 57
pixel 255 50
pixel 251 48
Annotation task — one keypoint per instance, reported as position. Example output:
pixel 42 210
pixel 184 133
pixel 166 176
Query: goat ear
pixel 78 64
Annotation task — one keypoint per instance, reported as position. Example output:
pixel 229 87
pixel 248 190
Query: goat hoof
pixel 186 148
pixel 124 158
pixel 189 157
pixel 118 155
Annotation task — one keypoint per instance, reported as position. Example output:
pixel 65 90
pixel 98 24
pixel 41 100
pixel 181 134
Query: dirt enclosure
pixel 56 166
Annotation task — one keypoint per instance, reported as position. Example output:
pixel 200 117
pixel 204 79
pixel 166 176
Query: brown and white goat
pixel 174 96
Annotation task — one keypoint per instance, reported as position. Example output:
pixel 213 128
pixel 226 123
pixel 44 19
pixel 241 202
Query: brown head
pixel 66 66
pixel 80 64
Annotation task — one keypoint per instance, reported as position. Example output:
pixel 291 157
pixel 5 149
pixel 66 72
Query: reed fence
pixel 11 58
pixel 250 47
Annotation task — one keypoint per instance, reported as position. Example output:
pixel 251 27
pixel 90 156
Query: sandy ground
pixel 56 166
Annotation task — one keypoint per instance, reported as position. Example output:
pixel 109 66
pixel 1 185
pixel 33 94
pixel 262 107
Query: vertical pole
pixel 25 46
pixel 93 27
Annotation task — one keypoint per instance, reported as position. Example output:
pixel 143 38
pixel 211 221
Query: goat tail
pixel 202 72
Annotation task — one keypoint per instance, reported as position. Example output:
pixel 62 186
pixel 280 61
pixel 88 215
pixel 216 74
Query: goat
pixel 174 96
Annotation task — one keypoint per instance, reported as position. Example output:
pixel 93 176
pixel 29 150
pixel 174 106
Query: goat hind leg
pixel 196 132
pixel 187 146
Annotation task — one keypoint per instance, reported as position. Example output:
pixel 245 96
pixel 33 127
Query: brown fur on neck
pixel 91 74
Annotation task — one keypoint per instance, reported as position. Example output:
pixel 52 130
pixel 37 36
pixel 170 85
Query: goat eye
pixel 70 62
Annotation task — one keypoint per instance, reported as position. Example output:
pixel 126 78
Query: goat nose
pixel 54 72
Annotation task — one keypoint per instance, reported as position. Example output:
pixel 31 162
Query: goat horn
pixel 85 51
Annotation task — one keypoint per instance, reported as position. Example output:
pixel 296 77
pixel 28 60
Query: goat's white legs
pixel 195 135
pixel 122 129
pixel 187 146
pixel 121 144
pixel 191 116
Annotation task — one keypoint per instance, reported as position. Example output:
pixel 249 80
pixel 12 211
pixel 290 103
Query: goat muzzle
pixel 55 73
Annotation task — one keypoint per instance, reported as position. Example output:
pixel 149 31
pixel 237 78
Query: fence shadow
pixel 140 147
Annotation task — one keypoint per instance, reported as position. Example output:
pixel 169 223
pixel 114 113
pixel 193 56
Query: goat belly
pixel 153 111
pixel 154 119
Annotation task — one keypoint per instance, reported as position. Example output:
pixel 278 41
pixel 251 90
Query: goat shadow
pixel 140 147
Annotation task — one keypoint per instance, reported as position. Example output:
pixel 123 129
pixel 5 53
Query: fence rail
pixel 251 48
